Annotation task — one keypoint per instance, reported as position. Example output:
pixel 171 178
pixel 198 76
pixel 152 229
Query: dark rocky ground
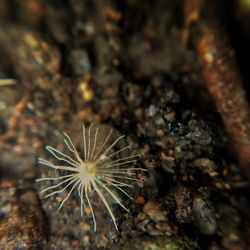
pixel 119 63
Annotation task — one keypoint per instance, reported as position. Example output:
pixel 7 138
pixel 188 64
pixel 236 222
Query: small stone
pixel 152 110
pixel 86 239
pixel 86 92
pixel 80 62
pixel 153 210
pixel 141 216
pixel 74 243
pixel 85 226
pixel 183 201
pixel 140 200
pixel 206 165
pixel 204 216
pixel 151 230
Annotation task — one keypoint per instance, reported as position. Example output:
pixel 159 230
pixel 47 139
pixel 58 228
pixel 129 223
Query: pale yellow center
pixel 87 171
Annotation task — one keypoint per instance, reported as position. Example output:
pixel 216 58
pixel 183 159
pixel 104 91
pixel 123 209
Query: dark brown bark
pixel 223 81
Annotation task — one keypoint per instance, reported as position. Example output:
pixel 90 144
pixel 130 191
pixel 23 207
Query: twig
pixel 223 81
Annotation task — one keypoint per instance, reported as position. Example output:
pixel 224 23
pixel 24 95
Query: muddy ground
pixel 120 63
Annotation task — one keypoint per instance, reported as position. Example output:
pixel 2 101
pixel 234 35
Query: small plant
pixel 101 169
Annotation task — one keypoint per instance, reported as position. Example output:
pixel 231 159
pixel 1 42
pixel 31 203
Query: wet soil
pixel 119 63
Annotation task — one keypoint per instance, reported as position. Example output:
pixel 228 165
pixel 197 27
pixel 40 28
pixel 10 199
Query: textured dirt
pixel 119 63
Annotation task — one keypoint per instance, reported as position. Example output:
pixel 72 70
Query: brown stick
pixel 15 117
pixel 224 83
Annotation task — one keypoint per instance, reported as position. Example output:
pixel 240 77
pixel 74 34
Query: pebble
pixel 153 210
pixel 204 216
